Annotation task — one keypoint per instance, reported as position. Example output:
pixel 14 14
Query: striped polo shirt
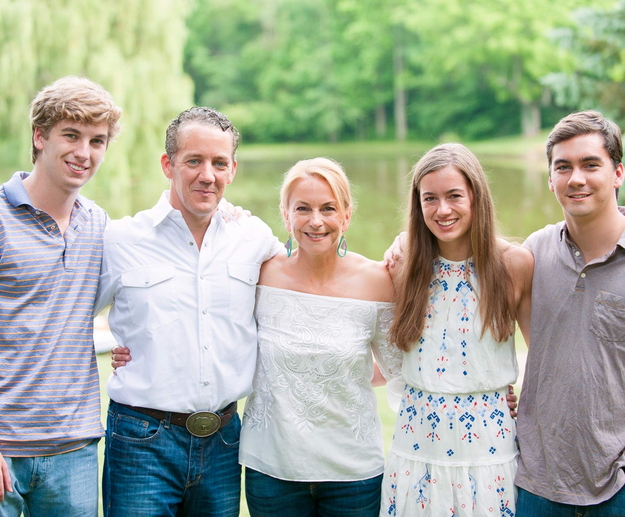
pixel 49 386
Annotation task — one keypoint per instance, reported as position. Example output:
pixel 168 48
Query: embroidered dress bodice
pixel 452 356
pixel 454 447
pixel 312 415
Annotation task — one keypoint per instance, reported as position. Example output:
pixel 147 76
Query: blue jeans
pixel 153 467
pixel 64 484
pixel 271 497
pixel 530 505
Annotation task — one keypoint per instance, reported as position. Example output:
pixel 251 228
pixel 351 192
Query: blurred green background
pixel 370 83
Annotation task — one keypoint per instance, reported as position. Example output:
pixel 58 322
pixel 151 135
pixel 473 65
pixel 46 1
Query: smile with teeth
pixel 447 223
pixel 75 167
pixel 579 196
pixel 315 235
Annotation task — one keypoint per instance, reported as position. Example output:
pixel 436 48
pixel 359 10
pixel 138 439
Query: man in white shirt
pixel 181 279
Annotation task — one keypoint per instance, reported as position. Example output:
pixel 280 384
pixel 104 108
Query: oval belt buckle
pixel 203 423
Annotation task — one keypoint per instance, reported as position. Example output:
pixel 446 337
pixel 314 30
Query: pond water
pixel 380 175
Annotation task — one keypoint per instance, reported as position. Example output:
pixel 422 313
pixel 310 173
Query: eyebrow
pixel 583 159
pixel 70 129
pixel 455 189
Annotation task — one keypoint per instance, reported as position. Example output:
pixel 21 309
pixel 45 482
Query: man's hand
pixel 120 355
pixel 5 478
pixel 512 400
pixel 234 212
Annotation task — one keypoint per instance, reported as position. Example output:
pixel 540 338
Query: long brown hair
pixel 496 300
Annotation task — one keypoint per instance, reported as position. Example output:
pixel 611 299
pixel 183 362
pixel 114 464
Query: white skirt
pixel 452 455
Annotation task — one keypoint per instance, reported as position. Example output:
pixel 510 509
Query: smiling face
pixel 446 202
pixel 199 171
pixel 583 177
pixel 70 154
pixel 314 216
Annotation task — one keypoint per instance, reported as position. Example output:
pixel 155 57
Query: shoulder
pixel 369 279
pixel 252 227
pixel 518 260
pixel 544 235
pixel 129 229
pixel 272 272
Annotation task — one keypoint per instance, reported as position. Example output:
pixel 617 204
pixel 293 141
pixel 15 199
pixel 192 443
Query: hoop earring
pixel 341 249
pixel 289 246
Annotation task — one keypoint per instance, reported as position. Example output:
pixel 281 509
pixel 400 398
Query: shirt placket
pixel 205 324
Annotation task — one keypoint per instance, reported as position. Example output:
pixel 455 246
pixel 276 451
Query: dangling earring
pixel 341 249
pixel 289 246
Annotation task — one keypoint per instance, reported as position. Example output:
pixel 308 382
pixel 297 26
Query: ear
pixel 38 138
pixel 619 175
pixel 287 221
pixel 166 165
pixel 550 182
pixel 348 219
pixel 233 172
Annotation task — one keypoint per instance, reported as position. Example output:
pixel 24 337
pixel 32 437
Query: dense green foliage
pixel 312 70
pixel 361 69
pixel 133 48
pixel 596 77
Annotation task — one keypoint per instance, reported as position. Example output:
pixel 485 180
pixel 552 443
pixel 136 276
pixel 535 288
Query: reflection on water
pixel 381 183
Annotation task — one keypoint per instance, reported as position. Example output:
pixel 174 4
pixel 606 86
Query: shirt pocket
pixel 151 295
pixel 608 318
pixel 243 280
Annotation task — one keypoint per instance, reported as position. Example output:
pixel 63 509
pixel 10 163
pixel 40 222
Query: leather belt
pixel 200 423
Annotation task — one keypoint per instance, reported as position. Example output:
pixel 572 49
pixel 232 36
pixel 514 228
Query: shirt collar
pixel 564 233
pixel 17 195
pixel 163 209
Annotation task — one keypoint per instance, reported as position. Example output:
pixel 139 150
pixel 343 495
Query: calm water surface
pixel 380 179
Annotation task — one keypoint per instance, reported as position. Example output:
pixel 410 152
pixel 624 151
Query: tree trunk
pixel 380 120
pixel 530 118
pixel 400 100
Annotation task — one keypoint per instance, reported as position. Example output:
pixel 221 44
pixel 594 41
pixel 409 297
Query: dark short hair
pixel 73 98
pixel 202 115
pixel 584 122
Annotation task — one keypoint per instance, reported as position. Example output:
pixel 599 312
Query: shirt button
pixel 201 277
pixel 53 227
pixel 190 244
pixel 577 253
pixel 146 282
pixel 37 212
pixel 583 275
pixel 206 383
pixel 204 311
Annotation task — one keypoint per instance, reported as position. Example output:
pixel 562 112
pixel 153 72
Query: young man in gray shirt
pixel 571 415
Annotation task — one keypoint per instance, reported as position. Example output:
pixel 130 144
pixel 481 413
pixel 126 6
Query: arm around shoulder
pixel 520 264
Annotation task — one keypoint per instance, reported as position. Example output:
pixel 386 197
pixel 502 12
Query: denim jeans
pixel 153 467
pixel 271 497
pixel 530 505
pixel 64 484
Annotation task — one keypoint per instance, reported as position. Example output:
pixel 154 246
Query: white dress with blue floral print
pixel 454 448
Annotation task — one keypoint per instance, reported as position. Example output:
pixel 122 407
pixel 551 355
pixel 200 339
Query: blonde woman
pixel 311 440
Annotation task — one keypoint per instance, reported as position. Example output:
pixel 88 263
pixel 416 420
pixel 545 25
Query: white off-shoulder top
pixel 312 415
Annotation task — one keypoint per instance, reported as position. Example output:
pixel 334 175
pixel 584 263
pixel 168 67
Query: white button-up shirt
pixel 186 314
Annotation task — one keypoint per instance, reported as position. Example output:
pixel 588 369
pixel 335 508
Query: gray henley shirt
pixel 571 424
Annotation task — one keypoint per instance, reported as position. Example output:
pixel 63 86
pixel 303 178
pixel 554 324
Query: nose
pixel 81 149
pixel 577 178
pixel 315 219
pixel 443 208
pixel 207 174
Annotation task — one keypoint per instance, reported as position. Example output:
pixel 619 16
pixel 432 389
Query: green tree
pixel 134 49
pixel 596 78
